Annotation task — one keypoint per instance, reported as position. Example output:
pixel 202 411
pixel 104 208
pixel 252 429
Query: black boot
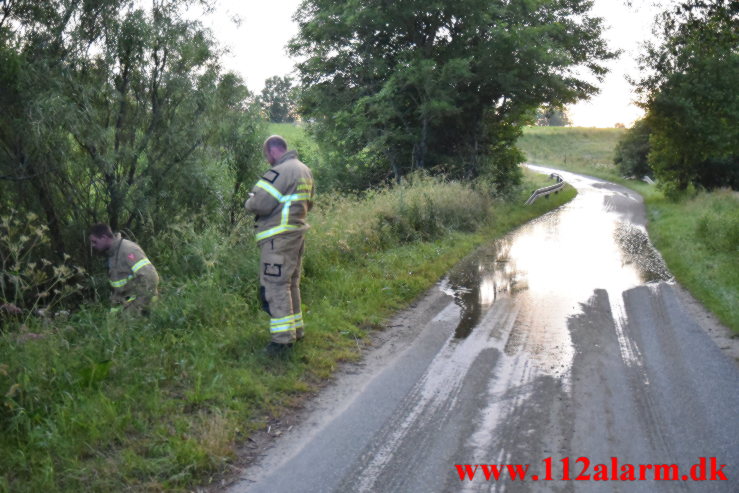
pixel 275 349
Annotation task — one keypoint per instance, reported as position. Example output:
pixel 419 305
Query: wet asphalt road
pixel 565 339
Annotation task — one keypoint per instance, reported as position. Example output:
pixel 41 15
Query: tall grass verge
pixel 699 239
pixel 95 402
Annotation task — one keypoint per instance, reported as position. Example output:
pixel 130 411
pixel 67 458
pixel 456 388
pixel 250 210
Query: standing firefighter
pixel 281 200
pixel 132 276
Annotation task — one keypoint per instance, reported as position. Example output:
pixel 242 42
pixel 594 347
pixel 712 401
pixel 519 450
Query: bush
pixel 632 151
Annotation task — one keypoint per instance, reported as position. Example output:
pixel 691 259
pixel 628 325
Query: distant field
pixel 574 148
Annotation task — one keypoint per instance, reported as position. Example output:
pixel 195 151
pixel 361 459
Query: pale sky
pixel 257 46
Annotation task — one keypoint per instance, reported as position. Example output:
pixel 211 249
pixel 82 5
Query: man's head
pixel 101 237
pixel 274 147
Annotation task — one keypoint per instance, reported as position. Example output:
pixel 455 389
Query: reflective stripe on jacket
pixel 282 197
pixel 130 272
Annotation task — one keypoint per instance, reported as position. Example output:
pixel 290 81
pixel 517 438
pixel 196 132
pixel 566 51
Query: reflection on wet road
pixel 563 339
pixel 555 263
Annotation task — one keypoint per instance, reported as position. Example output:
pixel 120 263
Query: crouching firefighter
pixel 280 201
pixel 133 278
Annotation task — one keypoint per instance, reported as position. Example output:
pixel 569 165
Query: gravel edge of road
pixel 721 335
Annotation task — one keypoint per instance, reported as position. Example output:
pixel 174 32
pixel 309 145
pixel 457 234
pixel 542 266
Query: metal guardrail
pixel 544 192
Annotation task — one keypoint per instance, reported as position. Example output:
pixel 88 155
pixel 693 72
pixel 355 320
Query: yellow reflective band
pixel 283 324
pixel 270 190
pixel 130 299
pixel 120 282
pixel 275 231
pixel 285 213
pixel 141 263
pixel 297 196
pixel 281 320
pixel 287 201
pixel 281 328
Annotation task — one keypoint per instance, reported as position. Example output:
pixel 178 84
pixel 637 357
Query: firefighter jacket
pixel 282 198
pixel 132 276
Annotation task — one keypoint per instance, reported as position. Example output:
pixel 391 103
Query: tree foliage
pixel 278 99
pixel 112 111
pixel 552 117
pixel 444 86
pixel 632 151
pixel 690 95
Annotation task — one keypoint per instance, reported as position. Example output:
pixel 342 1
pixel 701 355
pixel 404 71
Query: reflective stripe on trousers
pixel 285 324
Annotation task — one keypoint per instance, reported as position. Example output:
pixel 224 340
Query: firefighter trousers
pixel 279 284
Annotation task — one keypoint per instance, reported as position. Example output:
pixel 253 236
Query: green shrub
pixel 718 228
pixel 632 151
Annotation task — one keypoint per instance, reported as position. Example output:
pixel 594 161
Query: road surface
pixel 562 346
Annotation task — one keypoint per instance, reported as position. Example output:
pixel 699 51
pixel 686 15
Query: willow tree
pixel 117 111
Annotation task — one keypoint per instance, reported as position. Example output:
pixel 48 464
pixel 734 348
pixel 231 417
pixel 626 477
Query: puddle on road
pixel 552 265
pixel 547 271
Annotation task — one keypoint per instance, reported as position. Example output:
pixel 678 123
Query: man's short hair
pixel 275 141
pixel 101 229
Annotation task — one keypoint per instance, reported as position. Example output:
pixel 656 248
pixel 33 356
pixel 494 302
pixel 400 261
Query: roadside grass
pixel 696 235
pixel 100 403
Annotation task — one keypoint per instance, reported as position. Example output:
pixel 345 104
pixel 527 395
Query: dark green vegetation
pixel 90 402
pixel 632 152
pixel 117 111
pixel 698 235
pixel 690 98
pixel 279 99
pixel 394 87
pixel 689 141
